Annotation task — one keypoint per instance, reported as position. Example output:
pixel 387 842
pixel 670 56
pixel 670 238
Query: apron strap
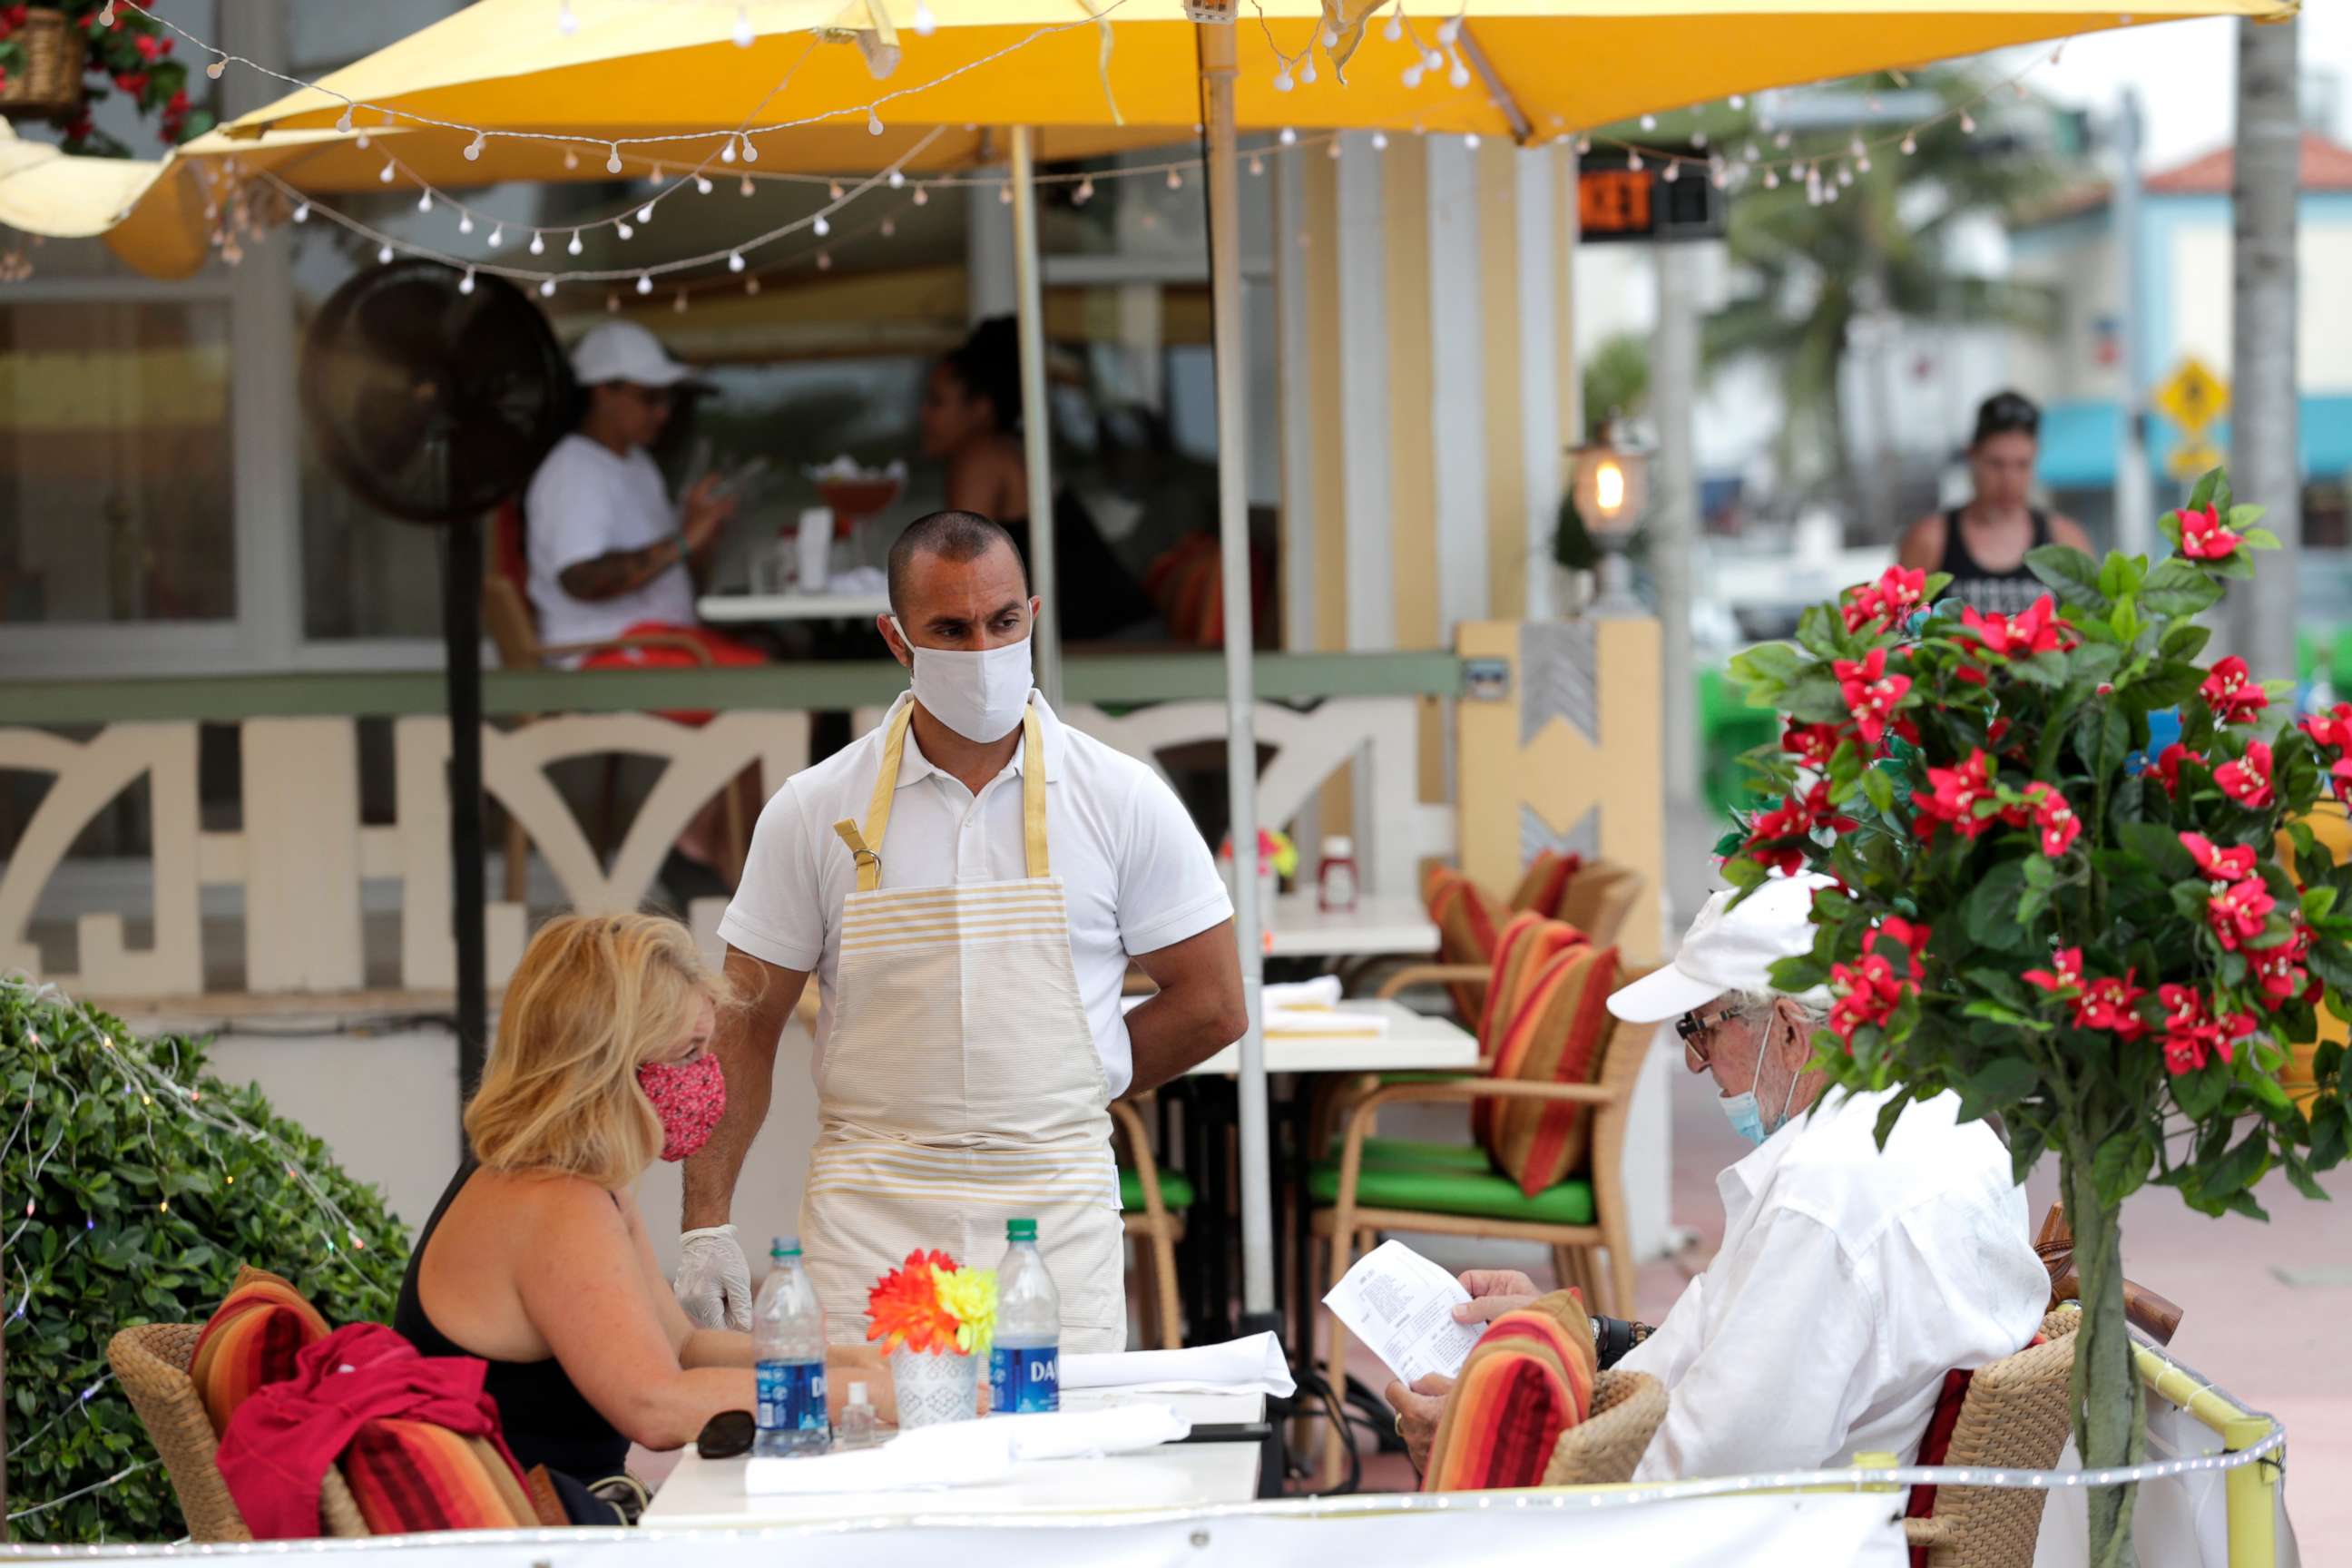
pixel 1032 792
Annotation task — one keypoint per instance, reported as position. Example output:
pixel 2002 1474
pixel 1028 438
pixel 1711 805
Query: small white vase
pixel 934 1388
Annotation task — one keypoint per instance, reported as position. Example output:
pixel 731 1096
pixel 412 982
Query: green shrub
pixel 132 1186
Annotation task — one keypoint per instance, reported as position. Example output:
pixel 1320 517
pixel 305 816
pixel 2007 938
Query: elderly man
pixel 1850 1279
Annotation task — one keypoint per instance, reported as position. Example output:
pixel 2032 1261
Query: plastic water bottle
pixel 858 1423
pixel 788 1357
pixel 1024 1368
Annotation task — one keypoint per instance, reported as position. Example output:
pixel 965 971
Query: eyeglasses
pixel 1694 1027
pixel 652 396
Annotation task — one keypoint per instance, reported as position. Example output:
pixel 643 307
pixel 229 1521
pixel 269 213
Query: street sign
pixel 1617 202
pixel 2191 459
pixel 2194 396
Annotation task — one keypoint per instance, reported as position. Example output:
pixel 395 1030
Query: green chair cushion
pixel 1407 1153
pixel 1175 1190
pixel 1487 1194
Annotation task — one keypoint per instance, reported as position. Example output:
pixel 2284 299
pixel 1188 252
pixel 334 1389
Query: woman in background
pixel 536 1260
pixel 971 419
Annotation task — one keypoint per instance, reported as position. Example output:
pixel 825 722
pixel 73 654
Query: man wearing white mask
pixel 1850 1279
pixel 968 884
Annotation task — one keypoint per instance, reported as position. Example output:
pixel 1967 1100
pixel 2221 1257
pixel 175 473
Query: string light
pixel 889 227
pixel 575 247
pixel 612 302
pixel 678 305
pixel 742 33
pixel 750 151
pixel 1332 150
pixel 565 22
pixel 745 186
pixel 1288 138
pixel 385 178
pixel 1307 71
pixel 735 261
pixel 825 262
pixel 343 120
pixel 538 246
pixel 922 195
pixel 1282 79
pixel 1472 140
pixel 644 283
pixel 612 162
pixel 925 24
pixel 473 148
pixel 1674 170
pixel 1004 194
pixel 466 284
pixel 1257 164
pixel 571 158
pixel 897 178
pixel 1395 29
pixel 751 285
pixel 547 288
pixel 497 235
pixel 384 253
pixel 1412 74
pixel 464 222
pixel 833 191
pixel 645 213
pixel 302 213
pixel 625 231
pixel 1175 179
pixel 1968 124
pixel 425 202
pixel 1633 162
pixel 702 185
pixel 1649 123
pixel 820 226
pixel 1910 145
pixel 214 69
pixel 873 122
pixel 1380 140
pixel 727 153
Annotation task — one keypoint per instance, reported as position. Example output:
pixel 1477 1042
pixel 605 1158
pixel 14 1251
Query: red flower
pixel 2248 780
pixel 2064 978
pixel 2036 629
pixel 1887 601
pixel 2192 1033
pixel 133 82
pixel 2107 1004
pixel 2166 767
pixel 1913 936
pixel 149 45
pixel 2232 692
pixel 1811 745
pixel 1867 993
pixel 2202 537
pixel 1793 818
pixel 903 1307
pixel 2218 864
pixel 177 106
pixel 2280 974
pixel 1955 793
pixel 1871 694
pixel 2060 826
pixel 2238 913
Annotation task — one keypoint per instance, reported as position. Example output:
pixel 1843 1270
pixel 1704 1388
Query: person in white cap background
pixel 1850 1279
pixel 610 556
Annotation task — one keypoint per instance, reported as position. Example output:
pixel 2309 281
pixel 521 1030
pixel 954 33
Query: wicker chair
pixel 1157 1227
pixel 1628 1408
pixel 151 1363
pixel 2014 1417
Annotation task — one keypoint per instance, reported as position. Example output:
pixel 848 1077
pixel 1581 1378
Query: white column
pixel 1458 374
pixel 1037 420
pixel 1292 257
pixel 1538 410
pixel 1673 510
pixel 988 253
pixel 265 412
pixel 1360 271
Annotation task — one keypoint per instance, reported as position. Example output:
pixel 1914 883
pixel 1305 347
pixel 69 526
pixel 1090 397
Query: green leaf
pixel 2175 589
pixel 2185 641
pixel 1990 915
pixel 2200 494
pixel 1814 698
pixel 2199 1093
pixel 2044 669
pixel 1771 661
pixel 2318 901
pixel 2070 574
pixel 1998 1084
pixel 2168 685
pixel 1880 790
pixel 2002 985
pixel 2260 539
pixel 2000 1013
pixel 1889 1114
pixel 1744 873
pixel 2160 847
pixel 2121 1165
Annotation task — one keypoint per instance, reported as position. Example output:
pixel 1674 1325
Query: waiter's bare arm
pixel 1198 1012
pixel 745 1045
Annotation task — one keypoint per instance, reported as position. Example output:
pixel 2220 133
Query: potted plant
pixel 2108 950
pixel 936 1319
pixel 1277 857
pixel 57 60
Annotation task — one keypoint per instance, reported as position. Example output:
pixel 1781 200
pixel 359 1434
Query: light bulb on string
pixel 735 261
pixel 1175 179
pixel 1380 140
pixel 571 158
pixel 215 67
pixel 1845 174
pixel 1459 75
pixel 1282 79
pixel 678 305
pixel 1862 164
pixel 538 246
pixel 922 195
pixel 613 159
pixel 1307 71
pixel 302 213
pixel 1698 140
pixel 547 288
pixel 1448 30
pixel 106 15
pixel 1257 164
pixel 464 222
pixel 658 176
pixel 1287 136
pixel 473 148
pixel 384 253
pixel 1394 30
pixel 889 227
pixel 822 226
pixel 897 178
pixel 1721 177
pixel 623 230
pixel 745 186
pixel 1331 148
pixel 1738 100
pixel 751 284
pixel 1471 141
pixel 424 201
pixel 645 282
pixel 1433 61
pixel 565 22
pixel 645 213
pixel 1649 123
pixel 925 23
pixel 343 120
pixel 1751 153
pixel 1781 140
pixel 1633 160
pixel 1412 74
pixel 1584 146
pixel 1968 124
pixel 833 191
pixel 612 302
pixel 575 247
pixel 750 151
pixel 1772 179
pixel 497 235
pixel 466 284
pixel 1005 193
pixel 742 32
pixel 1910 145
pixel 825 262
pixel 1674 170
pixel 727 153
pixel 1330 40
pixel 873 122
pixel 385 177
pixel 702 185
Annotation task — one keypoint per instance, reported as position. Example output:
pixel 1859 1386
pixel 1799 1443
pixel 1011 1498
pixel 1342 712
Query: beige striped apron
pixel 960 1087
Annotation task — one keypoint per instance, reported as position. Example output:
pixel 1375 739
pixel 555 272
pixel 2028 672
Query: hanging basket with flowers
pixel 57 61
pixel 936 1319
pixel 2115 946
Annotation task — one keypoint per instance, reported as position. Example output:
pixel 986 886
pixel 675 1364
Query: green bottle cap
pixel 1020 1230
pixel 784 1247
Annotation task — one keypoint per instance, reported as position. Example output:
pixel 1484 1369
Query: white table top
pixel 702 1494
pixel 731 607
pixel 1297 928
pixel 1412 1042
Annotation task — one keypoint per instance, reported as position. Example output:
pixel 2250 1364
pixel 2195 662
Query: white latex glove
pixel 714 1279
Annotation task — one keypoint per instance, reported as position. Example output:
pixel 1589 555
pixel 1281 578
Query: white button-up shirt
pixel 1850 1282
pixel 1135 872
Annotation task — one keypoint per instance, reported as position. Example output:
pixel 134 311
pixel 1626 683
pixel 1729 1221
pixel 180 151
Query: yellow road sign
pixel 2191 459
pixel 2193 396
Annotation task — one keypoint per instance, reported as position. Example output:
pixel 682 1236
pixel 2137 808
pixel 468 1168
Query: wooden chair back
pixel 1599 898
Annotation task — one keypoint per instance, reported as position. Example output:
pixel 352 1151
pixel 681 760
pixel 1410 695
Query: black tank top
pixel 1992 593
pixel 547 1420
pixel 1095 596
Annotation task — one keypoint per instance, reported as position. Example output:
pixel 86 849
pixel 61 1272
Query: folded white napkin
pixel 1296 1022
pixel 969 1452
pixel 1251 1366
pixel 863 581
pixel 1323 991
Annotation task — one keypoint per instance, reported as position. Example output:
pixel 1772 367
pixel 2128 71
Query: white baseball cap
pixel 624 351
pixel 1729 948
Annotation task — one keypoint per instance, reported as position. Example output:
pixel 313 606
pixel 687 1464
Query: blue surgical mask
pixel 1746 1116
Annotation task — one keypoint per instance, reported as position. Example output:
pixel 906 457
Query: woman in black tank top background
pixel 1984 544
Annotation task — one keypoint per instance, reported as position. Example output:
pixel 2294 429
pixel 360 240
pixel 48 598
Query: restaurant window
pixel 114 461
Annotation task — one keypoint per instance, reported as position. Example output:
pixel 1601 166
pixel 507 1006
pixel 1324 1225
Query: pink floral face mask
pixel 689 1097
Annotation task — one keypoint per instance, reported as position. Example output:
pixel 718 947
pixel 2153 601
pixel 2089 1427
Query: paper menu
pixel 1401 1305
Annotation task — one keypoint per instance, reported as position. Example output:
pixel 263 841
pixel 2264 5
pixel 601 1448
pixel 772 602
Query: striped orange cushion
pixel 1469 923
pixel 1547 876
pixel 251 1340
pixel 410 1476
pixel 1524 957
pixel 1558 1036
pixel 1527 1381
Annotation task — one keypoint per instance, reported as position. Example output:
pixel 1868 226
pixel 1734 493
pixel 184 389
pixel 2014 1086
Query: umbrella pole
pixel 1036 417
pixel 1216 41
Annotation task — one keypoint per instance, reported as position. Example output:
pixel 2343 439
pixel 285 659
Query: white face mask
pixel 1747 1118
pixel 981 696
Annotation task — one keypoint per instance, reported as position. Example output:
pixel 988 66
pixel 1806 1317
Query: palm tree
pixel 1880 252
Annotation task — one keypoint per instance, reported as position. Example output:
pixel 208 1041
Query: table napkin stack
pixel 1312 1007
pixel 1255 1364
pixel 971 1453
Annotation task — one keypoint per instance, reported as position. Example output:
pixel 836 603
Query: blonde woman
pixel 537 1260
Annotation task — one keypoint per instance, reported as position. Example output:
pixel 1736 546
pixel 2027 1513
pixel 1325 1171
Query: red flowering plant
pixel 125 51
pixel 2108 946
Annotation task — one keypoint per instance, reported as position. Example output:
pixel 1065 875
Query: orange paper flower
pixel 904 1307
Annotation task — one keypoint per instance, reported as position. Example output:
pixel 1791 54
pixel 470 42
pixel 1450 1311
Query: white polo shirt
pixel 1849 1283
pixel 1135 872
pixel 587 501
